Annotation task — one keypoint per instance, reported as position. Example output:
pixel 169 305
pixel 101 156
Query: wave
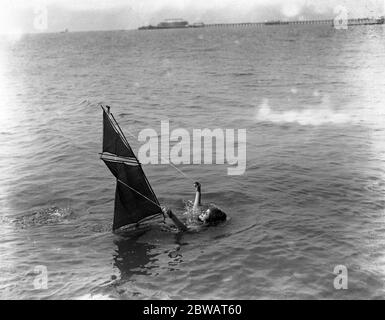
pixel 306 117
pixel 45 216
pixel 243 74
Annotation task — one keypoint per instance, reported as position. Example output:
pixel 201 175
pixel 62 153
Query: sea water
pixel 312 196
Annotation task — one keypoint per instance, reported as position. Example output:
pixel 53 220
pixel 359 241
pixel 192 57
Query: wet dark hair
pixel 216 215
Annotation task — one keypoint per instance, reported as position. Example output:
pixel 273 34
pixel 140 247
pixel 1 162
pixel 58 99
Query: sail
pixel 114 141
pixel 134 198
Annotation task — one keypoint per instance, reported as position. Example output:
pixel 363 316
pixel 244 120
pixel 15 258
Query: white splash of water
pixel 314 116
pixel 90 296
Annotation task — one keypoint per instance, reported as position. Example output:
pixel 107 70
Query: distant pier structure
pixel 350 22
pixel 178 23
pixel 268 23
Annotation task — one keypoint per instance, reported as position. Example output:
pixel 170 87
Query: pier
pixel 272 23
pixel 350 22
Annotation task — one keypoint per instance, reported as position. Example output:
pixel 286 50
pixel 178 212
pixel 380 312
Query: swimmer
pixel 211 216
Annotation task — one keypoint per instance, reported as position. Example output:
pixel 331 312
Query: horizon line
pixel 21 33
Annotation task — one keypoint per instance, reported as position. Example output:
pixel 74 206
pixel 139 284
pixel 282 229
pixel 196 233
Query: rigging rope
pixel 168 161
pixel 125 184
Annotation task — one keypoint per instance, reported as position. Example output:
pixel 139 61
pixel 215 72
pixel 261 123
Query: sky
pixel 25 16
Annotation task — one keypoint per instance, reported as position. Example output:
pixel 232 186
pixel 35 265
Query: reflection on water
pixel 132 256
pixel 139 256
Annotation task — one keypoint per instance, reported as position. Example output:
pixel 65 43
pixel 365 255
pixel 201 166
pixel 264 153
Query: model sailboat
pixel 135 201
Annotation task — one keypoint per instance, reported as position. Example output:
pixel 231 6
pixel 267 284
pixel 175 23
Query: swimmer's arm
pixel 198 196
pixel 179 224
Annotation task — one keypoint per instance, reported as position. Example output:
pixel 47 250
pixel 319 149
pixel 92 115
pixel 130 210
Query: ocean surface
pixel 312 197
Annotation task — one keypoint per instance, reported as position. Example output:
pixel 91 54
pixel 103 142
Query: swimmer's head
pixel 212 216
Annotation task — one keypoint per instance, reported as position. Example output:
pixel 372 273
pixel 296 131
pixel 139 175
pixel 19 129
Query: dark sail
pixel 114 141
pixel 134 198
